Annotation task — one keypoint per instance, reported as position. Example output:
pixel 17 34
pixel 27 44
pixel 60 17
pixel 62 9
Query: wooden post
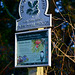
pixel 40 70
pixel 36 71
pixel 32 71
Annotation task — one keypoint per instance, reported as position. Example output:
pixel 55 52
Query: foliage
pixel 8 14
pixel 63 38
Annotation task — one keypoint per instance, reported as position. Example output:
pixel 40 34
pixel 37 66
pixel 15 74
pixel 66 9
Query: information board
pixel 33 14
pixel 33 48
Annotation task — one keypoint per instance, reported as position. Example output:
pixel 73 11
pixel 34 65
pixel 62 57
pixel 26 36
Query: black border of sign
pixel 49 48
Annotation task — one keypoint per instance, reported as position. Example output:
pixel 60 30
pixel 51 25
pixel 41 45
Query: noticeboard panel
pixel 33 48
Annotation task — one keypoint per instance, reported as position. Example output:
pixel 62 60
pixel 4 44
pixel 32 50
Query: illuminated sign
pixel 33 48
pixel 33 14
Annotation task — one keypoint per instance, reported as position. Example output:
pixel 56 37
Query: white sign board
pixel 33 48
pixel 33 14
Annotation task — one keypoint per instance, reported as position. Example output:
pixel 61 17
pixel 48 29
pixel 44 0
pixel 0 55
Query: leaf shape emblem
pixel 33 8
pixel 29 11
pixel 35 3
pixel 35 12
pixel 30 4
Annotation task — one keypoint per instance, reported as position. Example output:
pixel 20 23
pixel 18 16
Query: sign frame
pixel 49 48
pixel 39 20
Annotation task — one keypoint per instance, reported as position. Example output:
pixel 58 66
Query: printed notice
pixel 32 49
